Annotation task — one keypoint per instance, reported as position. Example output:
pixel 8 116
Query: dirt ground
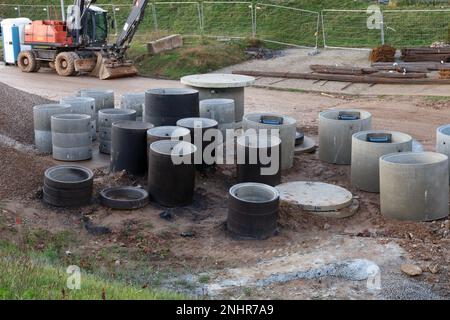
pixel 191 251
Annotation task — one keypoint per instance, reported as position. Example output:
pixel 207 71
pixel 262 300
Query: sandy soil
pixel 202 256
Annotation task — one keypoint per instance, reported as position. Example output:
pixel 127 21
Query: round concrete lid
pixel 217 80
pixel 308 146
pixel 315 196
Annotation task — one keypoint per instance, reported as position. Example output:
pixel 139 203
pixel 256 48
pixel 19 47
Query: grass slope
pixel 30 276
pixel 196 56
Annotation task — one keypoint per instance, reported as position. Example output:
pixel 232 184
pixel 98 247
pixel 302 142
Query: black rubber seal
pixel 379 137
pixel 299 138
pixel 124 198
pixel 273 120
pixel 349 115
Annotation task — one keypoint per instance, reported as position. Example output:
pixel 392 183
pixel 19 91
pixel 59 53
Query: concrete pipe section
pixel 164 107
pixel 129 146
pixel 42 124
pixel 68 186
pixel 225 86
pixel 443 140
pixel 203 134
pixel 336 128
pixel 167 133
pixel 104 99
pixel 71 137
pixel 83 105
pixel 221 110
pixel 367 148
pixel 253 210
pixel 414 186
pixel 134 101
pixel 258 159
pixel 286 127
pixel 106 118
pixel 171 173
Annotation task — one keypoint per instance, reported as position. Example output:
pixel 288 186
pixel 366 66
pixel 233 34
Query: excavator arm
pixel 113 64
pixel 131 25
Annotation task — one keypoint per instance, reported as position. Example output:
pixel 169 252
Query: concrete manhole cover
pixel 308 145
pixel 315 196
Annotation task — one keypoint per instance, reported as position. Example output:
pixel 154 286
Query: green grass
pixel 30 275
pixel 196 56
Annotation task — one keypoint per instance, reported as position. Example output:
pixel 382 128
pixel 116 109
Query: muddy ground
pixel 188 249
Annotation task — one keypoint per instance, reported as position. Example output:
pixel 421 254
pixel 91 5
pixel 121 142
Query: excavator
pixel 79 44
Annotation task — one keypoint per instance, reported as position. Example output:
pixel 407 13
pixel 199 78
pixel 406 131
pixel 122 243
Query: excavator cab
pixel 95 26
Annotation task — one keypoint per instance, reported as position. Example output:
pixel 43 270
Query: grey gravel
pixel 16 113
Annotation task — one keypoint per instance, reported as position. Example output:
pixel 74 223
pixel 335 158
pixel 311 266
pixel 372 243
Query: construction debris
pixel 350 70
pixel 384 53
pixel 411 66
pixel 426 54
pixel 444 74
pixel 165 44
pixel 371 79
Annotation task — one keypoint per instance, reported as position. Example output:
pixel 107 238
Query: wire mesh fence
pixel 287 25
pixel 227 18
pixel 359 28
pixel 416 27
pixel 348 28
pixel 236 19
pixel 178 17
pixel 274 23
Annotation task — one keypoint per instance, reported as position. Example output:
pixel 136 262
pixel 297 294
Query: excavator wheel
pixel 65 63
pixel 27 61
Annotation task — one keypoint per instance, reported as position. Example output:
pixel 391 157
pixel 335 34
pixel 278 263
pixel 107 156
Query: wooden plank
pixel 342 77
pixel 430 65
pixel 320 68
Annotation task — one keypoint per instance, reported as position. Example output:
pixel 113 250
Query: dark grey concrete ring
pixel 125 198
pixel 68 177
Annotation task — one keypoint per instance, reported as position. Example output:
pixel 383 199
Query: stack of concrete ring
pixel 68 186
pixel 106 118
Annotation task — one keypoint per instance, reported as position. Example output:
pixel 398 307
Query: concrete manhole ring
pixel 125 198
pixel 68 177
pixel 315 196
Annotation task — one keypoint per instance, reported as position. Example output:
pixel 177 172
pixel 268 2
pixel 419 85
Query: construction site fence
pixel 284 25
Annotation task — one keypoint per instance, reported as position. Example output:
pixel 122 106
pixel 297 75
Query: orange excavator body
pixel 47 32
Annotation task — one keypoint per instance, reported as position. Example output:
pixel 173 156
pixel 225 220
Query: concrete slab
pixel 315 196
pixel 217 80
pixel 165 44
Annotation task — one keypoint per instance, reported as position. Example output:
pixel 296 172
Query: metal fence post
pixel 18 11
pixel 382 28
pixel 200 15
pixel 155 20
pixel 113 8
pixel 253 15
pixel 323 30
pixel 255 25
pixel 48 12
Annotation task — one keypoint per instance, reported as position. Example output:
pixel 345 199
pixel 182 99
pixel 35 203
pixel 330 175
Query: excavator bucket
pixel 107 68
